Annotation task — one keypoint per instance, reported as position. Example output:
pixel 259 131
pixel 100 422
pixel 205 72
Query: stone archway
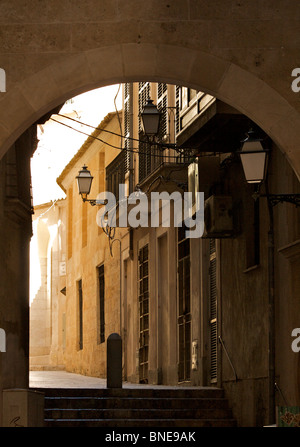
pixel 241 52
pixel 40 92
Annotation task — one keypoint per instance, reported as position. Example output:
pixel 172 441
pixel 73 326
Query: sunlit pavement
pixel 64 379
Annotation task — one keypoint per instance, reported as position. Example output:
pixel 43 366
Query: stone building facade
pixel 212 310
pixel 190 311
pixel 92 264
pixel 241 54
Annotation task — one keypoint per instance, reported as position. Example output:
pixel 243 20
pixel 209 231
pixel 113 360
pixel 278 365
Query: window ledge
pixel 250 269
pixel 290 251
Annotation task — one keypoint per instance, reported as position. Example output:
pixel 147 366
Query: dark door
pixel 184 307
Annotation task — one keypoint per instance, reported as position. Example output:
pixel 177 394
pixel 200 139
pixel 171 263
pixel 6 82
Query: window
pixel 143 314
pixel 80 314
pixel 151 157
pixel 184 306
pixel 162 100
pixel 115 174
pixel 128 127
pixel 187 96
pixel 101 304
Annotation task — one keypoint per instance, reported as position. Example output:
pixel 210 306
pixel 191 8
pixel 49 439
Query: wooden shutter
pixel 213 311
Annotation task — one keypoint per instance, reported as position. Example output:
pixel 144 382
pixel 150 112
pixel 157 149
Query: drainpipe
pixel 271 312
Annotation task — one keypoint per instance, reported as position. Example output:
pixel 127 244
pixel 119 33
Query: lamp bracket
pixel 274 199
pixel 94 202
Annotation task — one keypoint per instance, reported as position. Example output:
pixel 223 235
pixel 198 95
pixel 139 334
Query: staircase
pixel 141 407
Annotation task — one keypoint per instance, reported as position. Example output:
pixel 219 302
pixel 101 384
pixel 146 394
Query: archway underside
pixel 41 92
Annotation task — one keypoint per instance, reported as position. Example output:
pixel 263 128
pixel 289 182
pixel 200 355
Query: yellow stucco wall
pixel 90 248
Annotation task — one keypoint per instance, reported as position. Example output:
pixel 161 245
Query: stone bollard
pixel 114 361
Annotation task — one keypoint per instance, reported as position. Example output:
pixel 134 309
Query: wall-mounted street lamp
pixel 84 180
pixel 254 158
pixel 151 119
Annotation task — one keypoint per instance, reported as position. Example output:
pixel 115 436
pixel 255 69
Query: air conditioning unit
pixel 218 217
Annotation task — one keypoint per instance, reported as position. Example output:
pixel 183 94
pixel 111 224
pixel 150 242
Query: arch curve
pixel 39 93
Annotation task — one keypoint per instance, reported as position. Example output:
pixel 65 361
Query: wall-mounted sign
pixel 2 80
pixel 62 268
pixel 2 340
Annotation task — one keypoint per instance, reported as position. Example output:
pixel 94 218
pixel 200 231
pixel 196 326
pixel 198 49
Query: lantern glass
pixel 84 180
pixel 150 118
pixel 253 158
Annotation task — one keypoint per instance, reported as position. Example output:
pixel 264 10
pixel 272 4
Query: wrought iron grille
pixel 144 314
pixel 184 307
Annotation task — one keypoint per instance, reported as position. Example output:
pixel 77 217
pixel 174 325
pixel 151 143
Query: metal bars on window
pixel 143 313
pixel 213 311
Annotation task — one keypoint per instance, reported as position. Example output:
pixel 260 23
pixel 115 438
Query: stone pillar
pixel 16 231
pixel 23 408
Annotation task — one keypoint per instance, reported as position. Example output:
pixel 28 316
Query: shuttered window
pixel 177 121
pixel 150 158
pixel 213 310
pixel 144 148
pixel 128 98
pixel 162 91
pixel 115 174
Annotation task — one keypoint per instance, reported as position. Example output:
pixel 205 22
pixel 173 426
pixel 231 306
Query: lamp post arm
pixel 94 202
pixel 274 199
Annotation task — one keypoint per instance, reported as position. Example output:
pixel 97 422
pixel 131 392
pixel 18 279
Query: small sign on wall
pixel 2 80
pixel 62 268
pixel 2 340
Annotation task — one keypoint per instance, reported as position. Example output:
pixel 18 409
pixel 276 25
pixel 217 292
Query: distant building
pixel 48 285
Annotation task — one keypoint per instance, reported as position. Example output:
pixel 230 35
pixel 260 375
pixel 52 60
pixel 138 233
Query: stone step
pixel 137 407
pixel 134 402
pixel 126 413
pixel 134 392
pixel 178 423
